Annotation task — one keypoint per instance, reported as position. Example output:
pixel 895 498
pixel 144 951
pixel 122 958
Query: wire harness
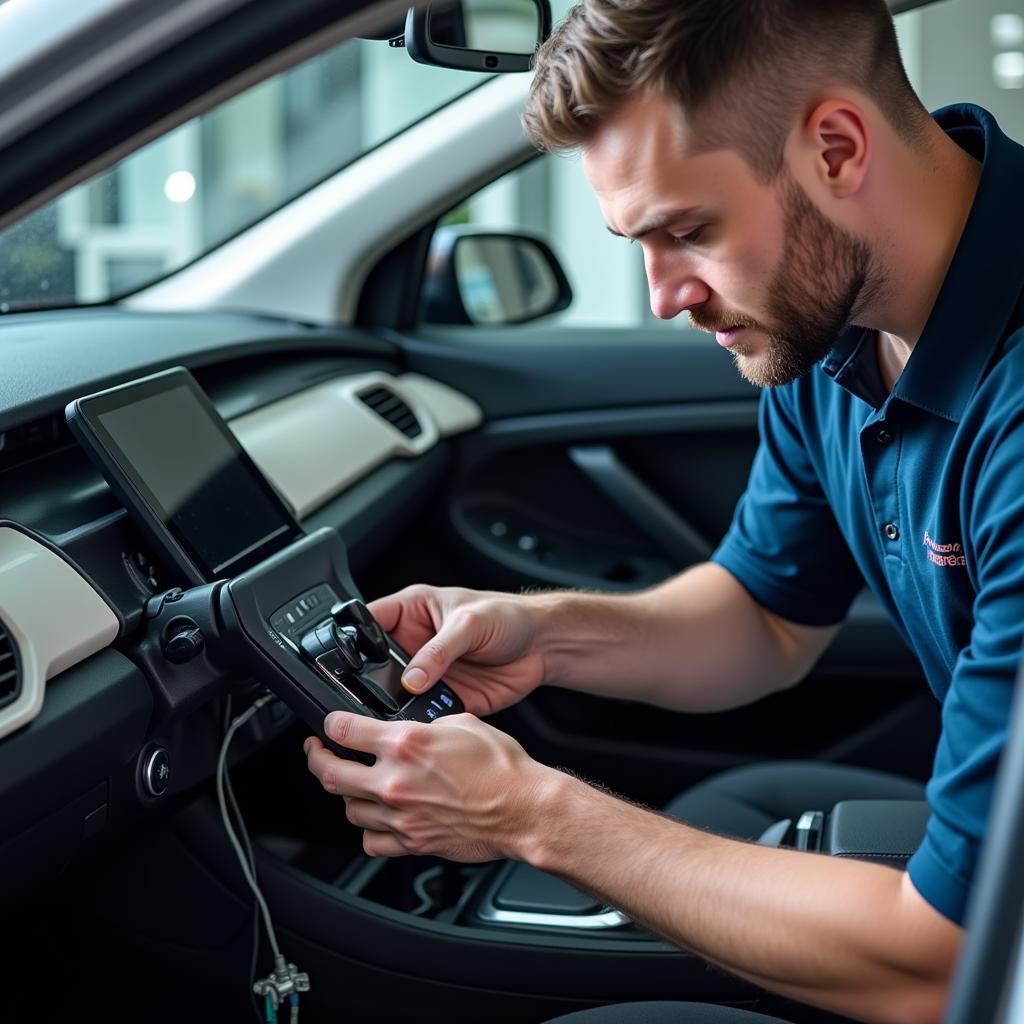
pixel 285 982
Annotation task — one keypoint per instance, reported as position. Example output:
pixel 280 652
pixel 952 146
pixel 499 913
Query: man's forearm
pixel 698 642
pixel 853 937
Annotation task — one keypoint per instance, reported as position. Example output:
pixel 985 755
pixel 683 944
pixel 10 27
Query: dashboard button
pixel 156 772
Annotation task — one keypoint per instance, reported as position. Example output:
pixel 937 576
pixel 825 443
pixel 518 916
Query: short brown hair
pixel 743 69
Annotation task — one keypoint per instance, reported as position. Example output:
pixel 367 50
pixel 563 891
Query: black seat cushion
pixel 743 802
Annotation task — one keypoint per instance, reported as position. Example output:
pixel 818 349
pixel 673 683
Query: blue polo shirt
pixel 921 493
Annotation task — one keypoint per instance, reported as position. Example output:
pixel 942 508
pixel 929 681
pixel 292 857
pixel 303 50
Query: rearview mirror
pixel 491 280
pixel 478 35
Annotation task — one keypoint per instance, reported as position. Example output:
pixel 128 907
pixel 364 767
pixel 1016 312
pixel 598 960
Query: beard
pixel 825 276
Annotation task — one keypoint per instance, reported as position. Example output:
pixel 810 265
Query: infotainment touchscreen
pixel 174 462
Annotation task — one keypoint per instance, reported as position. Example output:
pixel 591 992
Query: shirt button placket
pixel 880 463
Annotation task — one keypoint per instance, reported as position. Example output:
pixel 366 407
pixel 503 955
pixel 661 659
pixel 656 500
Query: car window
pixel 961 51
pixel 192 189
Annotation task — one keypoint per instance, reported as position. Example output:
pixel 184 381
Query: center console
pixel 294 622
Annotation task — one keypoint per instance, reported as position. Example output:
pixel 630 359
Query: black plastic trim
pixel 93 720
pixel 665 528
pixel 522 371
pixel 390 296
pixel 598 424
pixel 348 927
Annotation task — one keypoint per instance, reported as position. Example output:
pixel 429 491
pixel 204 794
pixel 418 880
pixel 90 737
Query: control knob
pixel 354 618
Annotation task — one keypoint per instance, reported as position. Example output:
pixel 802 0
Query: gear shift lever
pixel 369 637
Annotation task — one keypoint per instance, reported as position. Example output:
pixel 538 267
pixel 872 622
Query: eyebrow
pixel 660 221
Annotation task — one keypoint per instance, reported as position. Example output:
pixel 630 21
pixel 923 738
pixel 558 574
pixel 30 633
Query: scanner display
pixel 168 453
pixel 202 488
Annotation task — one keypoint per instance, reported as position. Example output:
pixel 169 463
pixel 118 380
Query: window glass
pixel 961 51
pixel 189 191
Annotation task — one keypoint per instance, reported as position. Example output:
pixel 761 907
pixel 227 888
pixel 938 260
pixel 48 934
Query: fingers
pixel 369 735
pixel 370 815
pixel 413 607
pixel 348 778
pixel 457 635
pixel 382 844
pixel 358 732
pixel 339 776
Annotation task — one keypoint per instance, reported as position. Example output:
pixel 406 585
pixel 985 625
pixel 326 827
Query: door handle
pixel 653 516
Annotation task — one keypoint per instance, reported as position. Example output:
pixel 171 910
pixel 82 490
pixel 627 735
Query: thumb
pixel 455 637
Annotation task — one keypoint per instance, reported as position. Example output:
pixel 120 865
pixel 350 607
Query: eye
pixel 691 237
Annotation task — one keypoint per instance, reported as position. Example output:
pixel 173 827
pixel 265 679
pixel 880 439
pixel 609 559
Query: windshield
pixel 186 193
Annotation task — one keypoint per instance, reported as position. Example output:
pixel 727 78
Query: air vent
pixel 10 673
pixel 386 403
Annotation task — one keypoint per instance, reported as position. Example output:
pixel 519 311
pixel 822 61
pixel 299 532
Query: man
pixel 865 264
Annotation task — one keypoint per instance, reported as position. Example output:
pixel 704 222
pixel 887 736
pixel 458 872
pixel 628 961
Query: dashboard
pixel 345 437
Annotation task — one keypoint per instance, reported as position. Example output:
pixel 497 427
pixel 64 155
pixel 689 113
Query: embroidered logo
pixel 943 554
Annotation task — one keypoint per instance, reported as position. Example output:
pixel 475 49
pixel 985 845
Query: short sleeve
pixel 784 545
pixel 976 709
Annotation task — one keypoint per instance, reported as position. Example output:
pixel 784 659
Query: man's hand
pixel 457 788
pixel 483 644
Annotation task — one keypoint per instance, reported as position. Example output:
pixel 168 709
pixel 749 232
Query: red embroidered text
pixel 943 554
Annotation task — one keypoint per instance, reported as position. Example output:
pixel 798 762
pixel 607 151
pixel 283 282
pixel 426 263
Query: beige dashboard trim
pixel 314 444
pixel 54 616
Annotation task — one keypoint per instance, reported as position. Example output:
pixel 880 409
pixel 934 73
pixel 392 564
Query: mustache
pixel 705 320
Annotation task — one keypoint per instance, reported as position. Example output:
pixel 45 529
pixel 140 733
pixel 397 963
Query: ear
pixel 836 132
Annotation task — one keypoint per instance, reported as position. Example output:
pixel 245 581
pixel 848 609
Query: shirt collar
pixel 979 294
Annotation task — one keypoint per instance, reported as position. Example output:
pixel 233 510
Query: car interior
pixel 260 238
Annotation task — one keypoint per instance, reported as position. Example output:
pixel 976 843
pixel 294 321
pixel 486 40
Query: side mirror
pixel 478 35
pixel 490 280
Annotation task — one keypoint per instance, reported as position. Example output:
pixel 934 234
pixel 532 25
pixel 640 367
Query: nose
pixel 673 289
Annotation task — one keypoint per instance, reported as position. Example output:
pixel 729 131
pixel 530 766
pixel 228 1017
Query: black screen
pixel 208 496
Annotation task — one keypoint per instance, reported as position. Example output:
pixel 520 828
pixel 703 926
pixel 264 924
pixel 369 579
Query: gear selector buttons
pixel 340 640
